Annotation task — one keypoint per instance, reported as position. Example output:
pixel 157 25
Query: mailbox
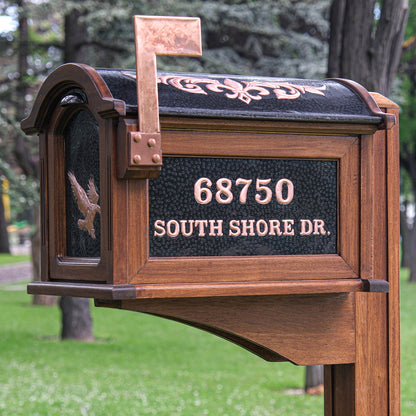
pixel 263 187
pixel 263 210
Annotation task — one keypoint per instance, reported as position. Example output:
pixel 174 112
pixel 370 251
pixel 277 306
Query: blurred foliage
pixel 406 97
pixel 23 193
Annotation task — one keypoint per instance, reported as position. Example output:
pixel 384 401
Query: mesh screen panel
pixel 82 160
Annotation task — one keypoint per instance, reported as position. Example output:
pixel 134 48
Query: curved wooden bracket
pixel 303 329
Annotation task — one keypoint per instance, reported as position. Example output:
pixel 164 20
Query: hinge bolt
pixel 156 158
pixel 136 136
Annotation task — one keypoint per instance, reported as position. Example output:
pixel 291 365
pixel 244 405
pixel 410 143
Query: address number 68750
pixel 223 195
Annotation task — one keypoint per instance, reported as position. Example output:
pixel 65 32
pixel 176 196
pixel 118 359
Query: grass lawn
pixel 6 259
pixel 142 365
pixel 139 365
pixel 408 345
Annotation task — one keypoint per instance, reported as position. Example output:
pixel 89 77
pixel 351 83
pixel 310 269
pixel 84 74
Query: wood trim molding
pixel 345 264
pixel 158 291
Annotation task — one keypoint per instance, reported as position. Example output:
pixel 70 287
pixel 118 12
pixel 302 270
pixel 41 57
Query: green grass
pixel 408 343
pixel 142 365
pixel 6 259
pixel 139 365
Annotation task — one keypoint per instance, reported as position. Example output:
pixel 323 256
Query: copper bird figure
pixel 87 203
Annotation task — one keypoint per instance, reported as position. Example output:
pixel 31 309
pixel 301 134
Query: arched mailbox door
pixel 273 212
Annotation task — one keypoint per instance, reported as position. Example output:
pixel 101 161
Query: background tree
pixel 365 42
pixel 408 145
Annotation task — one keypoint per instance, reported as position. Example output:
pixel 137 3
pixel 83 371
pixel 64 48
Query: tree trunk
pixel 314 379
pixel 4 238
pixel 76 36
pixel 76 316
pixel 76 319
pixel 366 47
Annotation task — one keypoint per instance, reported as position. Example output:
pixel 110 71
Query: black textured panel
pixel 82 159
pixel 237 96
pixel 172 200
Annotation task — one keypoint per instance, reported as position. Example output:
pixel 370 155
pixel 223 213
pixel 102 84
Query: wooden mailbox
pixel 264 210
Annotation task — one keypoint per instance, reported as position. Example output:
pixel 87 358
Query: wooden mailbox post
pixel 268 220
